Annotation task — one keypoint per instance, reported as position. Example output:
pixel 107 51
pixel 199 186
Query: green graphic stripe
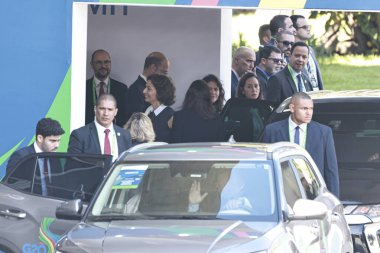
pixel 61 108
pixel 4 157
pixel 159 2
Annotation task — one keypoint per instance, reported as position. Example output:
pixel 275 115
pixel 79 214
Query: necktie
pixel 297 135
pixel 107 145
pixel 102 88
pixel 299 83
pixel 151 115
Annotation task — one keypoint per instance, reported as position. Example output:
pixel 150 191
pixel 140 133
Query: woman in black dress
pixel 160 93
pixel 197 121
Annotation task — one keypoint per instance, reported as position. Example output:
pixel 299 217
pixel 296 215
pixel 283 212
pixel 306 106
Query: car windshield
pixel 241 190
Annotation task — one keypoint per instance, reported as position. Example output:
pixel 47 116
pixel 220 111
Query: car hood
pixel 166 235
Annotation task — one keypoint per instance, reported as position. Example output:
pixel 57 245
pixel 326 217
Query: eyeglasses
pixel 99 63
pixel 286 43
pixel 276 60
pixel 306 27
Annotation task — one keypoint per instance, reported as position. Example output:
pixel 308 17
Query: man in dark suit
pixel 312 68
pixel 48 137
pixel 102 83
pixel 155 63
pixel 270 63
pixel 101 136
pixel 291 79
pixel 243 61
pixel 316 138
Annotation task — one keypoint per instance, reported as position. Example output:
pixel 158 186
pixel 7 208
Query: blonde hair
pixel 141 128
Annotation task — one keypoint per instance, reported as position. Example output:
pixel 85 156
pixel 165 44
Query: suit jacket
pixel 136 100
pixel 319 75
pixel 281 86
pixel 188 126
pixel 85 140
pixel 234 84
pixel 263 81
pixel 18 155
pixel 118 90
pixel 319 144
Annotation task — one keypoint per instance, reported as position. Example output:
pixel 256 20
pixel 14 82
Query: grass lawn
pixel 350 72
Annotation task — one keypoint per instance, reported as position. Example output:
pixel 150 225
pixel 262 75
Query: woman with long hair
pixel 197 121
pixel 249 87
pixel 216 90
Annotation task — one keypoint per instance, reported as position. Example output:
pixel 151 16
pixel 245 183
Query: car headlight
pixel 372 211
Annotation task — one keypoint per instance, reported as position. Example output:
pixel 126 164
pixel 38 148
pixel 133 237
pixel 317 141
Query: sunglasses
pixel 276 60
pixel 286 43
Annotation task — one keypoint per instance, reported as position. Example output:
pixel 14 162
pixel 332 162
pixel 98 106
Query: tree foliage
pixel 350 32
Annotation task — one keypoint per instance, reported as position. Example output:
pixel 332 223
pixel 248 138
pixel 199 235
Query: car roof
pixel 224 151
pixel 343 96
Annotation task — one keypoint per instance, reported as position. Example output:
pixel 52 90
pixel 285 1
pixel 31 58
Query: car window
pixel 306 175
pixel 68 177
pixel 165 190
pixel 290 182
pixel 357 144
pixel 245 118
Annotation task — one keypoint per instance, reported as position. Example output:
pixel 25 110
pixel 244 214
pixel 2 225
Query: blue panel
pixel 370 5
pixel 37 39
pixel 243 3
pixel 183 2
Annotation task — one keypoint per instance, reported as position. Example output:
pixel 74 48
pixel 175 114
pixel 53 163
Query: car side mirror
pixel 305 209
pixel 70 210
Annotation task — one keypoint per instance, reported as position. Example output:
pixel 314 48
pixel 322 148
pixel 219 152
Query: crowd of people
pixel 118 116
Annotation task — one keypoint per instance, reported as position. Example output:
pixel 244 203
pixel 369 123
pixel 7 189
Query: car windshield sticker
pixel 129 177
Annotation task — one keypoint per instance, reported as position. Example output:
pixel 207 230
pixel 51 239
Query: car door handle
pixel 13 213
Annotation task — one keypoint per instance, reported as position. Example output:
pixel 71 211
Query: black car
pixel 354 117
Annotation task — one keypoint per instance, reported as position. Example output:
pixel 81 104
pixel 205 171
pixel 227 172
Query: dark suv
pixel 354 117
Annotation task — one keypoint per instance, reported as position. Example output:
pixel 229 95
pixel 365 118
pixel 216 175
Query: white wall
pixel 189 37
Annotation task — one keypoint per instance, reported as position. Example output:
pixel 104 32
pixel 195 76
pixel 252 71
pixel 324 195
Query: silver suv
pixel 210 197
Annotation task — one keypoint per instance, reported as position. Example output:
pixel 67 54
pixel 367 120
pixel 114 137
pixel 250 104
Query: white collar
pixel 97 81
pixel 293 125
pixel 37 148
pixel 157 111
pixel 143 77
pixel 102 128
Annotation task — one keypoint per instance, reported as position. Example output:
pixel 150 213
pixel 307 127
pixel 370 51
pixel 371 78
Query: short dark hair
pixel 198 99
pixel 277 22
pixel 299 44
pixel 242 82
pixel 155 58
pixel 295 18
pixel 164 87
pixel 219 102
pixel 299 95
pixel 264 30
pixel 106 96
pixel 266 51
pixel 99 51
pixel 49 127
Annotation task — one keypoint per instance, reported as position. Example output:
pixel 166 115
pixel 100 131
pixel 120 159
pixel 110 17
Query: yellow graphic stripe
pixel 281 4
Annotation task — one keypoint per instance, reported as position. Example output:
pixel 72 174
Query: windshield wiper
pixel 119 217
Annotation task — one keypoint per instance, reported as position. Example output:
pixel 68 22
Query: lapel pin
pixel 118 134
